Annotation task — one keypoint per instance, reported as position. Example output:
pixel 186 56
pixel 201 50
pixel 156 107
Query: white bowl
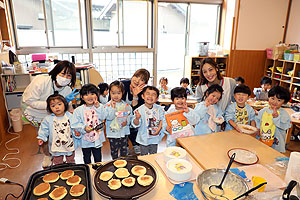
pixel 174 153
pixel 247 128
pixel 179 169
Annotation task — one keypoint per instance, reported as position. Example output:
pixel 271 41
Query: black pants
pixel 132 136
pixel 116 144
pixel 87 153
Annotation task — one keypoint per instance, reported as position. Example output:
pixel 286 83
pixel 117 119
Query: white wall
pixel 293 31
pixel 260 23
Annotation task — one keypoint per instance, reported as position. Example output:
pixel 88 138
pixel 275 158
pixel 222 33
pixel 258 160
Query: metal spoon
pixel 251 190
pixel 217 189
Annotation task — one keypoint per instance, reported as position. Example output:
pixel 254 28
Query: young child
pixel 103 92
pixel 148 119
pixel 210 115
pixel 164 89
pixel 86 119
pixel 179 96
pixel 239 80
pixel 240 112
pixel 184 82
pixel 117 127
pixel 274 121
pixel 56 128
pixel 262 93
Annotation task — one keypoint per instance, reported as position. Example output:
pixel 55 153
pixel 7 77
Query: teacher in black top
pixel 132 96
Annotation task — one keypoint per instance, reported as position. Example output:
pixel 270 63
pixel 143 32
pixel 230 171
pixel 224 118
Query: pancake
pixel 42 199
pixel 77 190
pixel 120 163
pixel 122 173
pixel 73 180
pixel 51 177
pixel 145 180
pixel 58 193
pixel 128 182
pixel 138 170
pixel 66 174
pixel 41 189
pixel 114 184
pixel 106 175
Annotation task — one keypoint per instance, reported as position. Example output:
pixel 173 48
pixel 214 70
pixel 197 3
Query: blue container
pixel 288 56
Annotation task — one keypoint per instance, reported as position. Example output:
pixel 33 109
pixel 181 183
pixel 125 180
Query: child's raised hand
pixel 40 142
pixel 88 129
pixel 186 108
pixel 96 102
pixel 77 133
pixel 113 104
pixel 169 129
pixel 275 113
pixel 137 114
pixel 124 123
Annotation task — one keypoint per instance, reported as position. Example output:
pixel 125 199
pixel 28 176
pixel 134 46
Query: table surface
pixel 210 150
pixel 163 187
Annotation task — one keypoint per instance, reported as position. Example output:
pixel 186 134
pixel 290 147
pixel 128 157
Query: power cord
pixel 6 181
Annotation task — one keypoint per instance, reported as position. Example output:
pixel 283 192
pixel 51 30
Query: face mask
pixel 62 81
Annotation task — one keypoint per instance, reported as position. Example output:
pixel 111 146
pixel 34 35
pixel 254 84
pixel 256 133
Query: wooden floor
pixel 31 161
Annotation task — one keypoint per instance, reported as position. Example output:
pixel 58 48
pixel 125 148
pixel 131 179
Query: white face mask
pixel 62 81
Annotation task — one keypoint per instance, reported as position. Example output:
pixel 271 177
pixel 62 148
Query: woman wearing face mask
pixel 61 79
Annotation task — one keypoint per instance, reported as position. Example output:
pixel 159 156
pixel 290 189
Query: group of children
pixel 85 127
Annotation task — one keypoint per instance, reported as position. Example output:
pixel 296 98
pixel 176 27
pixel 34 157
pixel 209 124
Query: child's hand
pixel 137 114
pixel 113 104
pixel 169 129
pixel 124 123
pixel 88 129
pixel 156 131
pixel 275 113
pixel 40 142
pixel 96 103
pixel 238 129
pixel 77 133
pixel 185 108
pixel 257 133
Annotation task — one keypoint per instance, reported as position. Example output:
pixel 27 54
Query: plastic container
pixel 203 48
pixel 16 119
pixel 288 56
pixel 297 57
pixel 269 53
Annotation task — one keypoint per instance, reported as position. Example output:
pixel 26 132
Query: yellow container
pixel 258 180
pixel 297 57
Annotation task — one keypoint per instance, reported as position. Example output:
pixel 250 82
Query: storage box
pixel 296 56
pixel 269 53
pixel 288 56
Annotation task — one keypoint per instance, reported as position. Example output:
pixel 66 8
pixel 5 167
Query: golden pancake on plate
pixel 145 180
pixel 66 174
pixel 128 182
pixel 120 163
pixel 138 170
pixel 73 180
pixel 51 177
pixel 41 189
pixel 122 173
pixel 106 175
pixel 77 190
pixel 58 193
pixel 42 199
pixel 114 184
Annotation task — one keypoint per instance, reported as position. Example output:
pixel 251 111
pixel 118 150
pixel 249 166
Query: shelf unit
pixel 278 70
pixel 195 68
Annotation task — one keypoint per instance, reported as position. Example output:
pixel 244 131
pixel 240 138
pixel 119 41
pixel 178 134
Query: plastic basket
pixel 297 57
pixel 269 53
pixel 288 56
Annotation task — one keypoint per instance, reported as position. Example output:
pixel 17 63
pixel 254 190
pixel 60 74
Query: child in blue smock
pixel 87 117
pixel 179 96
pixel 56 128
pixel 274 121
pixel 148 119
pixel 210 114
pixel 240 112
pixel 118 120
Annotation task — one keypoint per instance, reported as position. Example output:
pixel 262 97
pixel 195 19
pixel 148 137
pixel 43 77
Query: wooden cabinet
pixel 286 74
pixel 195 68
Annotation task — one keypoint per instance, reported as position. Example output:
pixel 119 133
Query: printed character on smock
pixel 210 118
pixel 273 130
pixel 239 115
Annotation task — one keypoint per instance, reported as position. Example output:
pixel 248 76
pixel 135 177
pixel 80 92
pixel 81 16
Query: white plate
pixel 243 156
pixel 247 128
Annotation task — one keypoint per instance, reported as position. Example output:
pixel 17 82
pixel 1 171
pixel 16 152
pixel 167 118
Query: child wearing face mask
pixel 273 121
pixel 210 114
pixel 86 120
pixel 117 127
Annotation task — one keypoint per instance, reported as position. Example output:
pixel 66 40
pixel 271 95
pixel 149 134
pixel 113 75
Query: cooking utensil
pixel 99 126
pixel 39 150
pixel 251 190
pixel 288 190
pixel 217 189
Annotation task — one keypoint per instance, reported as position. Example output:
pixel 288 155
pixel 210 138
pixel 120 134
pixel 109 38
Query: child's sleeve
pixel 251 114
pixel 109 111
pixel 140 120
pixel 130 116
pixel 219 113
pixel 43 132
pixel 200 110
pixel 283 121
pixel 72 130
pixel 164 125
pixel 192 117
pixel 230 113
pixel 77 121
pixel 101 112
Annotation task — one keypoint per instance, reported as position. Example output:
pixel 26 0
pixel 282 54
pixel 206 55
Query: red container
pixel 269 53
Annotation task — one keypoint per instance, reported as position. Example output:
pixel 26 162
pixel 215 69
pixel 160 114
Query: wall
pixel 293 29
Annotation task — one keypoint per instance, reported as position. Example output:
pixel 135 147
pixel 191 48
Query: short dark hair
pixel 118 84
pixel 87 89
pixel 59 97
pixel 185 80
pixel 143 73
pixel 211 89
pixel 210 61
pixel 163 79
pixel 242 89
pixel 65 66
pixel 102 87
pixel 280 93
pixel 149 87
pixel 240 79
pixel 265 80
pixel 178 92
